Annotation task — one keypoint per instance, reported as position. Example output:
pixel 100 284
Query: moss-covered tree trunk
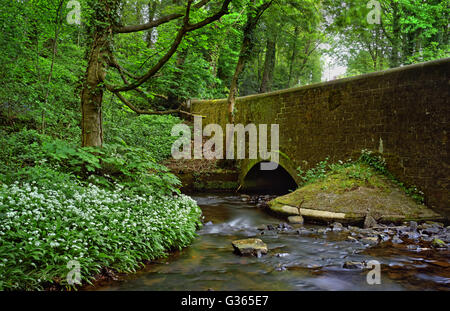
pixel 92 92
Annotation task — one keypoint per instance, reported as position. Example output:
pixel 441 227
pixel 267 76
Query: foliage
pixel 314 173
pixel 48 183
pixel 44 226
pixel 409 31
pixel 27 152
pixel 150 132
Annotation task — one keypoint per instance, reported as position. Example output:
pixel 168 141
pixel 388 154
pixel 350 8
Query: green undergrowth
pixel 112 207
pixel 43 228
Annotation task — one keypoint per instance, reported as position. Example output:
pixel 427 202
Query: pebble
pixel 431 230
pixel 370 240
pixel 397 240
pixel 384 237
pixel 353 265
pixel 337 226
pixel 295 220
pixel 437 243
pixel 413 226
pixel 284 226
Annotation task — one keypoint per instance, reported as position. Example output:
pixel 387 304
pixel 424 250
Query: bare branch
pixel 210 19
pixel 150 112
pixel 149 25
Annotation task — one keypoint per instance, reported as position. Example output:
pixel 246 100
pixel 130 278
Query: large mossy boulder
pixel 348 195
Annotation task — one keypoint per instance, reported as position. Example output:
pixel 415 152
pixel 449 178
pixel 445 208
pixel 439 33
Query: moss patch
pixel 356 190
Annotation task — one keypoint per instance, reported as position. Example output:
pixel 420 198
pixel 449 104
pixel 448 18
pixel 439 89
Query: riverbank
pixel 49 236
pixel 69 214
pixel 354 193
pixel 300 257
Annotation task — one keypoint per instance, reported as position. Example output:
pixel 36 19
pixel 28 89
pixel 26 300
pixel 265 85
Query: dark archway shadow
pixel 277 181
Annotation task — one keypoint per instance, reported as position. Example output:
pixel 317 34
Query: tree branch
pixel 149 25
pixel 151 112
pixel 185 28
pixel 113 63
pixel 201 3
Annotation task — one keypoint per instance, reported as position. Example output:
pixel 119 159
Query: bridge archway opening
pixel 277 181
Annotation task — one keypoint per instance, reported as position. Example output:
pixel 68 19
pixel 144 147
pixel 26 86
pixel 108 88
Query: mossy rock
pixel 250 247
pixel 350 199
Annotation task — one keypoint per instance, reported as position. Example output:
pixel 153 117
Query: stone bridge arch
pixel 284 177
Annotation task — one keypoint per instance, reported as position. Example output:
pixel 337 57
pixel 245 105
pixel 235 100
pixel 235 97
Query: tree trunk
pixel 92 92
pixel 293 56
pixel 269 66
pixel 151 16
pixel 395 59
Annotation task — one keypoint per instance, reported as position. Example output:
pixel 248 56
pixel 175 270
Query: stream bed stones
pixel 296 220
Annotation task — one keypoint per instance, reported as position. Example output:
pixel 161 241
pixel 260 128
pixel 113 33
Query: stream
pixel 303 258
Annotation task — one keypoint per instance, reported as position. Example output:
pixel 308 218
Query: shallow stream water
pixel 301 260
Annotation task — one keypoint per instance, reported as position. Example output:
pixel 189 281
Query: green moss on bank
pixel 355 189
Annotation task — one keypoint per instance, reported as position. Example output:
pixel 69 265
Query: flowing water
pixel 296 261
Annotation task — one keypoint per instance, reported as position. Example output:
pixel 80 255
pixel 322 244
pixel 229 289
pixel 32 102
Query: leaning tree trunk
pixel 92 93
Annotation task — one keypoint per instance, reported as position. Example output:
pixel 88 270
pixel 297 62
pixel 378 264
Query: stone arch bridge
pixel 401 112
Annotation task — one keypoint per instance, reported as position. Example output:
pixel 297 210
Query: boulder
pixel 250 247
